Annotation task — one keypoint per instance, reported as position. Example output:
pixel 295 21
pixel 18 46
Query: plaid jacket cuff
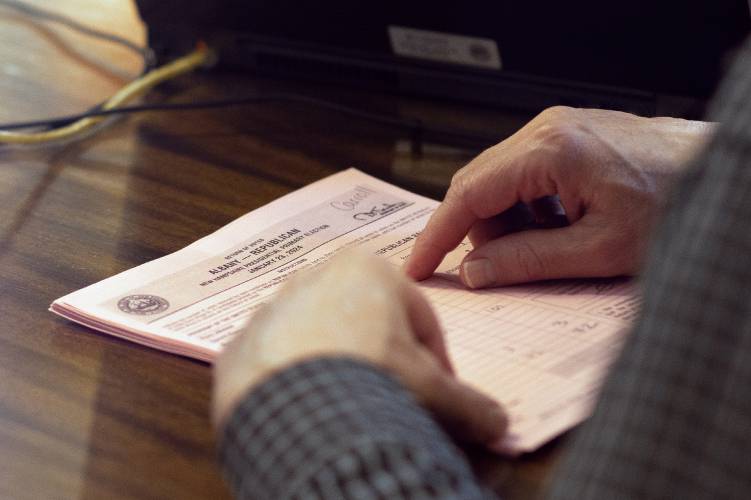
pixel 339 428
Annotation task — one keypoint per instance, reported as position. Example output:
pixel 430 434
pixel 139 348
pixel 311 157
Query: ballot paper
pixel 541 350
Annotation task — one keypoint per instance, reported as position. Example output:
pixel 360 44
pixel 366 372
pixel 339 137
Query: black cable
pixel 144 52
pixel 417 127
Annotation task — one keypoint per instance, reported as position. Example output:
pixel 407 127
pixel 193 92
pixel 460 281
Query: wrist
pixel 687 139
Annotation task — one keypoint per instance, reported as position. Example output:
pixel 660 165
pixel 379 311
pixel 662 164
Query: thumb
pixel 462 410
pixel 537 254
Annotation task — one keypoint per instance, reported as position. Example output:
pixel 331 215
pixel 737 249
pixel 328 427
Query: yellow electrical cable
pixel 132 90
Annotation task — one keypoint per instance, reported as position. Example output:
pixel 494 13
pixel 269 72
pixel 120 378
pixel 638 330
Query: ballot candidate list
pixel 540 349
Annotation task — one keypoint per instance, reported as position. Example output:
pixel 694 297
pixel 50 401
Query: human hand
pixel 608 172
pixel 361 307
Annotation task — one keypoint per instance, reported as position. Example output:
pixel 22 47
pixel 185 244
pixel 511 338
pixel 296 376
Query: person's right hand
pixel 608 171
pixel 356 306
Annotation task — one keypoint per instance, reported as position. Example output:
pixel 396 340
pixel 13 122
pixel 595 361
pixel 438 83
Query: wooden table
pixel 85 415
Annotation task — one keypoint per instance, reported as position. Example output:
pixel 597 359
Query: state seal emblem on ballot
pixel 142 304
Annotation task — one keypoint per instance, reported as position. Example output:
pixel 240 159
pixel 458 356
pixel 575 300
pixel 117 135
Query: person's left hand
pixel 361 307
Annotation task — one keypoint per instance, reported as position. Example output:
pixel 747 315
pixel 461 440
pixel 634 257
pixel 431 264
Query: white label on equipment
pixel 445 47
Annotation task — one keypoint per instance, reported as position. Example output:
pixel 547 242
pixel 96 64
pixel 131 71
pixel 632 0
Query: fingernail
pixel 478 273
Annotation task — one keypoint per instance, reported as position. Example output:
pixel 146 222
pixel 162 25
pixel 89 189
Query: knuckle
pixel 562 142
pixel 466 177
pixel 559 135
pixel 555 113
pixel 460 181
pixel 461 185
pixel 470 189
pixel 558 125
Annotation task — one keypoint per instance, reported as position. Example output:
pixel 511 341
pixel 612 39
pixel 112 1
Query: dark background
pixel 637 50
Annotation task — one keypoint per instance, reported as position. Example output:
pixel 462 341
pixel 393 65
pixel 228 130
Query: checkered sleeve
pixel 336 428
pixel 674 417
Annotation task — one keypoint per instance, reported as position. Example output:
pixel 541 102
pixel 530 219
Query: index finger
pixel 446 228
pixel 493 182
pixel 490 184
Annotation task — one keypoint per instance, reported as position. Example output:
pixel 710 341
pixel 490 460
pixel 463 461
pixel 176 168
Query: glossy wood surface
pixel 84 415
